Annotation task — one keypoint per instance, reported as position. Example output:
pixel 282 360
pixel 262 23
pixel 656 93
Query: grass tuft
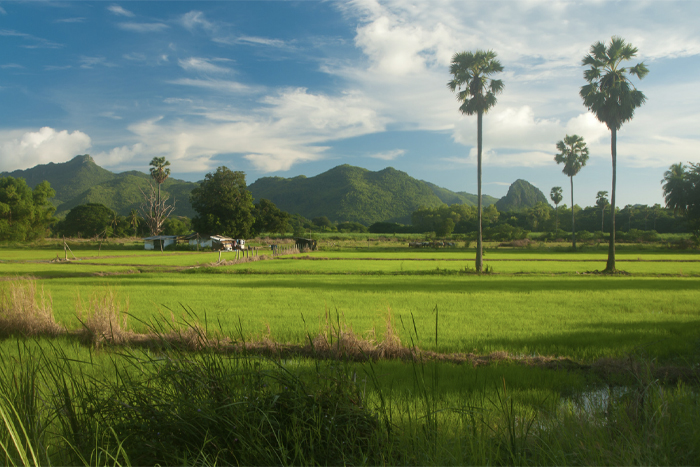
pixel 26 311
pixel 104 319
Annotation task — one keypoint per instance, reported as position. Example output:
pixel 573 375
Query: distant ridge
pixel 521 195
pixel 354 194
pixel 81 180
pixel 343 193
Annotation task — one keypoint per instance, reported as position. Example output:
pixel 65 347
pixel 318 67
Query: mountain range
pixel 344 193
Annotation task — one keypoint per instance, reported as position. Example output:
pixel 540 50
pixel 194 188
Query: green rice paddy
pixel 536 301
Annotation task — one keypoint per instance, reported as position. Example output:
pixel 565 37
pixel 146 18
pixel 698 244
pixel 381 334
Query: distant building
pixel 305 244
pixel 159 242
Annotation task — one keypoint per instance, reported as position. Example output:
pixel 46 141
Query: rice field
pixel 536 301
pixel 571 363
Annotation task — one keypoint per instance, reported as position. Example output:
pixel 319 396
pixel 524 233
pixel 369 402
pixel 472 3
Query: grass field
pixel 538 305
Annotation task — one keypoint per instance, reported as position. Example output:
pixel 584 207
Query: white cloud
pixel 21 149
pixel 195 19
pixel 90 62
pixel 70 20
pixel 111 115
pixel 407 47
pixel 11 65
pixel 135 56
pixel 119 11
pixel 292 126
pixel 388 155
pixel 258 41
pixel 216 85
pixel 36 42
pixel 143 27
pixel 119 155
pixel 2 11
pixel 203 65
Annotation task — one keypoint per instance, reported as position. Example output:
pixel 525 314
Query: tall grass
pixel 177 407
pixel 26 310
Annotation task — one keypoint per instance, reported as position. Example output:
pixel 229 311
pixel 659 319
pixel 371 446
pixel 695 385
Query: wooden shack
pixel 159 242
pixel 305 244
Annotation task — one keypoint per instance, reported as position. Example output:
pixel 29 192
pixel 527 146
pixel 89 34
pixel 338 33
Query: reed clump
pixel 104 319
pixel 26 310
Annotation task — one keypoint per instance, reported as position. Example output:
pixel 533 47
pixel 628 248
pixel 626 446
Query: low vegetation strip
pixel 25 311
pixel 466 258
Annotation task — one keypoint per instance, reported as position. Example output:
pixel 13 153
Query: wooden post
pixel 65 249
pixel 219 257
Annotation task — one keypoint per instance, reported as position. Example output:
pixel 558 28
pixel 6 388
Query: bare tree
pixel 155 209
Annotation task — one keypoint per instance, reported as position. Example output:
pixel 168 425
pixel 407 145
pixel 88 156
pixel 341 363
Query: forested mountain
pixel 521 195
pixel 344 193
pixel 354 194
pixel 81 181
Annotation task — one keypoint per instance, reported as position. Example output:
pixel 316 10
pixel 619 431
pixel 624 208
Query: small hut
pixel 305 244
pixel 159 242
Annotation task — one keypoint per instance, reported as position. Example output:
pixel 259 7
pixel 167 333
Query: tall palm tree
pixel 476 91
pixel 675 187
pixel 612 98
pixel 133 220
pixel 573 153
pixel 602 203
pixel 556 197
pixel 159 173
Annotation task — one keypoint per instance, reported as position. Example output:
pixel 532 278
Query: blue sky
pixel 288 88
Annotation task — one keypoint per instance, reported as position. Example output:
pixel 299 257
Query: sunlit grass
pixel 583 317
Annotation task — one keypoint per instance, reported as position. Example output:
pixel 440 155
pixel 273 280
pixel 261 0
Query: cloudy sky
pixel 288 88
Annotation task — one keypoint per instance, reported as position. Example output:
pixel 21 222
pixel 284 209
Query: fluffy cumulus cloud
pixel 22 149
pixel 290 127
pixel 408 46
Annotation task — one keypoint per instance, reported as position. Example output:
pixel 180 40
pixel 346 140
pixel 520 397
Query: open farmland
pixel 543 338
pixel 537 302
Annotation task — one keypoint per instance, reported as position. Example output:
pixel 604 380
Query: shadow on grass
pixel 432 284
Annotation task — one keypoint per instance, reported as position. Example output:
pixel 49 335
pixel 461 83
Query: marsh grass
pixel 103 318
pixel 125 406
pixel 26 309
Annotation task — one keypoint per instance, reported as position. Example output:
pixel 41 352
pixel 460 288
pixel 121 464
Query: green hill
pixel 460 197
pixel 354 194
pixel 521 195
pixel 81 181
pixel 344 193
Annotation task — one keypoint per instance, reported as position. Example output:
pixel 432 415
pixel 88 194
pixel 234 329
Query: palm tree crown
pixel 471 72
pixel 609 93
pixel 573 153
pixel 602 199
pixel 159 173
pixel 556 195
pixel 675 187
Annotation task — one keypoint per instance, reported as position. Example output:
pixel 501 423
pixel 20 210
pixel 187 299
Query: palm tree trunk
pixel 602 220
pixel 573 214
pixel 479 248
pixel 610 267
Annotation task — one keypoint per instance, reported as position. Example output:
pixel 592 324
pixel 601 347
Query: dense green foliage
pixel 224 206
pixel 521 195
pixel 352 194
pixel 647 221
pixel 89 220
pixel 269 218
pixel 681 186
pixel 25 214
